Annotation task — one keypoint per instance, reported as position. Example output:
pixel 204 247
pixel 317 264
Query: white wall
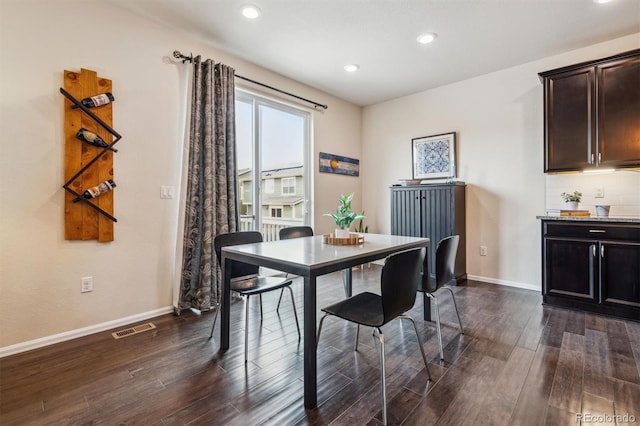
pixel 40 271
pixel 621 191
pixel 498 118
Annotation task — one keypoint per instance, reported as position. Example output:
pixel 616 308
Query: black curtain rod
pixel 184 58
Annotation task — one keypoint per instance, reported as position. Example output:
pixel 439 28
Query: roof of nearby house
pixel 245 174
pixel 282 172
pixel 290 200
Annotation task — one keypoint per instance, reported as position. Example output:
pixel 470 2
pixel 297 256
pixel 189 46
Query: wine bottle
pixel 92 139
pixel 96 101
pixel 97 190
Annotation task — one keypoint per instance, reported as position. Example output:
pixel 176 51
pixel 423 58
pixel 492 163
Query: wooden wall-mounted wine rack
pixel 85 165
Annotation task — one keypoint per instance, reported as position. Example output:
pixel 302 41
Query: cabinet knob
pixel 602 250
pixel 593 249
pixel 597 231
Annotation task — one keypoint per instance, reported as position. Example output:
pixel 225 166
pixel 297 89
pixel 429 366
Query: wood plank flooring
pixel 518 363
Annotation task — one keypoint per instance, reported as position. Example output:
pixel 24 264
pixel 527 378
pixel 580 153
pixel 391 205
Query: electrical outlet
pixel 87 284
pixel 167 192
pixel 483 250
pixel 600 192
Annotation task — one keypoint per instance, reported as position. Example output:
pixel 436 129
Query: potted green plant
pixel 362 228
pixel 343 216
pixel 572 200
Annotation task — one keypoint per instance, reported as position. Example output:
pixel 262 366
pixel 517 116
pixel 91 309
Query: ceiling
pixel 311 40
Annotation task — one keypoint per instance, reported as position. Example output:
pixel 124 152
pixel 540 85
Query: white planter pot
pixel 571 205
pixel 341 233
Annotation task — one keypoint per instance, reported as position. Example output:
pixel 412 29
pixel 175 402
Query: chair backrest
pixel 399 282
pixel 445 262
pixel 238 269
pixel 295 232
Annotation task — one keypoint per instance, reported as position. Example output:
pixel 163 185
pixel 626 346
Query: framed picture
pixel 331 163
pixel 434 157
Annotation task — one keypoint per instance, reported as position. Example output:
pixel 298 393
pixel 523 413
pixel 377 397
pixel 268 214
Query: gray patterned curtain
pixel 211 181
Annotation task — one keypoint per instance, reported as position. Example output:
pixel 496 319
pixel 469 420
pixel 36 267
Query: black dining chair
pixel 445 273
pixel 295 232
pixel 288 233
pixel 399 281
pixel 246 281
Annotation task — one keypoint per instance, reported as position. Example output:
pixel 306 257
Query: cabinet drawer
pixel 593 231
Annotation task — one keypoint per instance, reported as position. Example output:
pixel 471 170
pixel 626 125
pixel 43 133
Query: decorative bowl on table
pixel 406 182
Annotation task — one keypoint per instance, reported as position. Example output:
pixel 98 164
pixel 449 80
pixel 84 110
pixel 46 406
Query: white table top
pixel 303 255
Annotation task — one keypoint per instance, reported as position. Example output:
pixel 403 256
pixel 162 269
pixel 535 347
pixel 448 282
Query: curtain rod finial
pixel 178 55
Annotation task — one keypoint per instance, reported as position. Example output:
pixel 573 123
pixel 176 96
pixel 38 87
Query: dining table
pixel 309 258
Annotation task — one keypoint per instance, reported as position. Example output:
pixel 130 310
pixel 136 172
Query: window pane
pixel 272 149
pixel 244 158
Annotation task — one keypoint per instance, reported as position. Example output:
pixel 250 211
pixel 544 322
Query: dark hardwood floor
pixel 518 363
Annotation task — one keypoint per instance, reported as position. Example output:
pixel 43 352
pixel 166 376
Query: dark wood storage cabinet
pixel 431 211
pixel 592 114
pixel 593 266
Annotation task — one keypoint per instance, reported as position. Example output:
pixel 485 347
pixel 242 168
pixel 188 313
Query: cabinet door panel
pixel 569 269
pixel 405 213
pixel 436 219
pixel 620 273
pixel 619 113
pixel 569 120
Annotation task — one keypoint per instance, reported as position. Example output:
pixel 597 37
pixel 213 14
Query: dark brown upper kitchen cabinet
pixel 592 114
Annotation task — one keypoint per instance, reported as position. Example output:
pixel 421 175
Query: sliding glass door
pixel 273 150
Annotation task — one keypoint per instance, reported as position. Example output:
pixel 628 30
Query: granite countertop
pixel 610 219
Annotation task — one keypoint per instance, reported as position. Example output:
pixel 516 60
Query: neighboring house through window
pixel 276 211
pixel 269 186
pixel 288 186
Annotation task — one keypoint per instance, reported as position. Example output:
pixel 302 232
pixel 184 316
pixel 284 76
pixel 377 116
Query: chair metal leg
pixel 295 315
pixel 260 295
pixel 383 375
pixel 357 336
pixel 246 329
pixel 456 307
pixel 215 317
pixel 280 299
pixel 424 357
pixel 435 299
pixel 320 329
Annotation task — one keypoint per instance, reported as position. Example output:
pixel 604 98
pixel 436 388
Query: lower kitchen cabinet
pixel 592 266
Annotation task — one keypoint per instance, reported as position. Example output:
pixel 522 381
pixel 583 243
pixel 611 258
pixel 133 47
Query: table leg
pixel 310 373
pixel 426 301
pixel 348 284
pixel 226 303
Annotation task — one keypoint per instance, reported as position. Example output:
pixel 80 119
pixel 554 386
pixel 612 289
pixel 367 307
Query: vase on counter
pixel 602 211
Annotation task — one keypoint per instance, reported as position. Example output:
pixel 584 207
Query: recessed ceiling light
pixel 351 67
pixel 426 38
pixel 601 1
pixel 250 12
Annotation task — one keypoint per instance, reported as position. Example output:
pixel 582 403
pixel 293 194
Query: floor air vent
pixel 133 330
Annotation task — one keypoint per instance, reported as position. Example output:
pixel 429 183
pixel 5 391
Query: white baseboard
pixel 80 332
pixel 504 282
